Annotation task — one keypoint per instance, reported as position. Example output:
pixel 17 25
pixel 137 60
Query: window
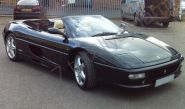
pixel 90 25
pixel 28 2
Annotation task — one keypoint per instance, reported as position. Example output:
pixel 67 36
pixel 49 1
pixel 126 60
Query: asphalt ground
pixel 24 85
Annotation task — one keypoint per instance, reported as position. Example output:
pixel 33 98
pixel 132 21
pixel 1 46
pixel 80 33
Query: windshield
pixel 28 2
pixel 88 26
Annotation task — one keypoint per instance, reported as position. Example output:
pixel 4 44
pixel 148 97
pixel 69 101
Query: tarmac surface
pixel 24 85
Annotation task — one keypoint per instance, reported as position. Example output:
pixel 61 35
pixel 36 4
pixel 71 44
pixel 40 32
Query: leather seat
pixel 59 25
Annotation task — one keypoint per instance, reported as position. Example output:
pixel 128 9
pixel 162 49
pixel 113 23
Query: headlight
pixel 136 76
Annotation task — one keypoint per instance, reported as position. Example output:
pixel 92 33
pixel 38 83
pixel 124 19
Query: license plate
pixel 164 80
pixel 26 10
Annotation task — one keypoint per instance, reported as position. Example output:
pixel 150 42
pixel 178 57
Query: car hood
pixel 132 51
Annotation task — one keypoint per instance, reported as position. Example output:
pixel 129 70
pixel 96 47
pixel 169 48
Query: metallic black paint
pixel 111 62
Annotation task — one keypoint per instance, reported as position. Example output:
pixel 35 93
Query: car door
pixel 54 49
pixel 44 48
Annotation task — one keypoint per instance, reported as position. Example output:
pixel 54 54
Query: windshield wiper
pixel 104 34
pixel 130 34
pixel 119 36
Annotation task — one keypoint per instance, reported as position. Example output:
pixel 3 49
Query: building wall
pixel 176 7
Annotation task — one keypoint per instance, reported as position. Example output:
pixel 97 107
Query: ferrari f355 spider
pixel 94 49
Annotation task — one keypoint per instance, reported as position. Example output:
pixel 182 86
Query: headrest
pixel 58 24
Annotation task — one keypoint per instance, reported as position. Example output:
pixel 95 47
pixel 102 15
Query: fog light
pixel 136 76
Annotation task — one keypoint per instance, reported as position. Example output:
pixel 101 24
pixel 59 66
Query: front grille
pixel 161 72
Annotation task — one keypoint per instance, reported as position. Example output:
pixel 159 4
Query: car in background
pixel 182 10
pixel 28 9
pixel 146 11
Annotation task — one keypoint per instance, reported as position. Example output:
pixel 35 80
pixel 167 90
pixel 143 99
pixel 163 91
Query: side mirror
pixel 123 26
pixel 57 31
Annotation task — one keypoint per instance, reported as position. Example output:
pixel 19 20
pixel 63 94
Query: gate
pixel 6 7
pixel 108 8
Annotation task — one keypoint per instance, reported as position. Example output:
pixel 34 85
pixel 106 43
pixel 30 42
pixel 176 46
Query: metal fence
pixel 108 8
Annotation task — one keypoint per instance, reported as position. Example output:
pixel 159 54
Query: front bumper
pixel 120 77
pixel 149 82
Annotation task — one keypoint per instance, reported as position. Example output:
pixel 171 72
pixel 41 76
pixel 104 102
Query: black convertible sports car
pixel 94 49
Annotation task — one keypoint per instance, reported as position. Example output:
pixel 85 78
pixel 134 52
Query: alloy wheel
pixel 11 47
pixel 79 70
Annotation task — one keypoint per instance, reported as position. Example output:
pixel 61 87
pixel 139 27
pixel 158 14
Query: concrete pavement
pixel 24 85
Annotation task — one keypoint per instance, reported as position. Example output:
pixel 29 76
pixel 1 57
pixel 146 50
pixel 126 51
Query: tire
pixel 15 17
pixel 43 15
pixel 146 23
pixel 11 47
pixel 165 24
pixel 179 18
pixel 85 75
pixel 136 21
